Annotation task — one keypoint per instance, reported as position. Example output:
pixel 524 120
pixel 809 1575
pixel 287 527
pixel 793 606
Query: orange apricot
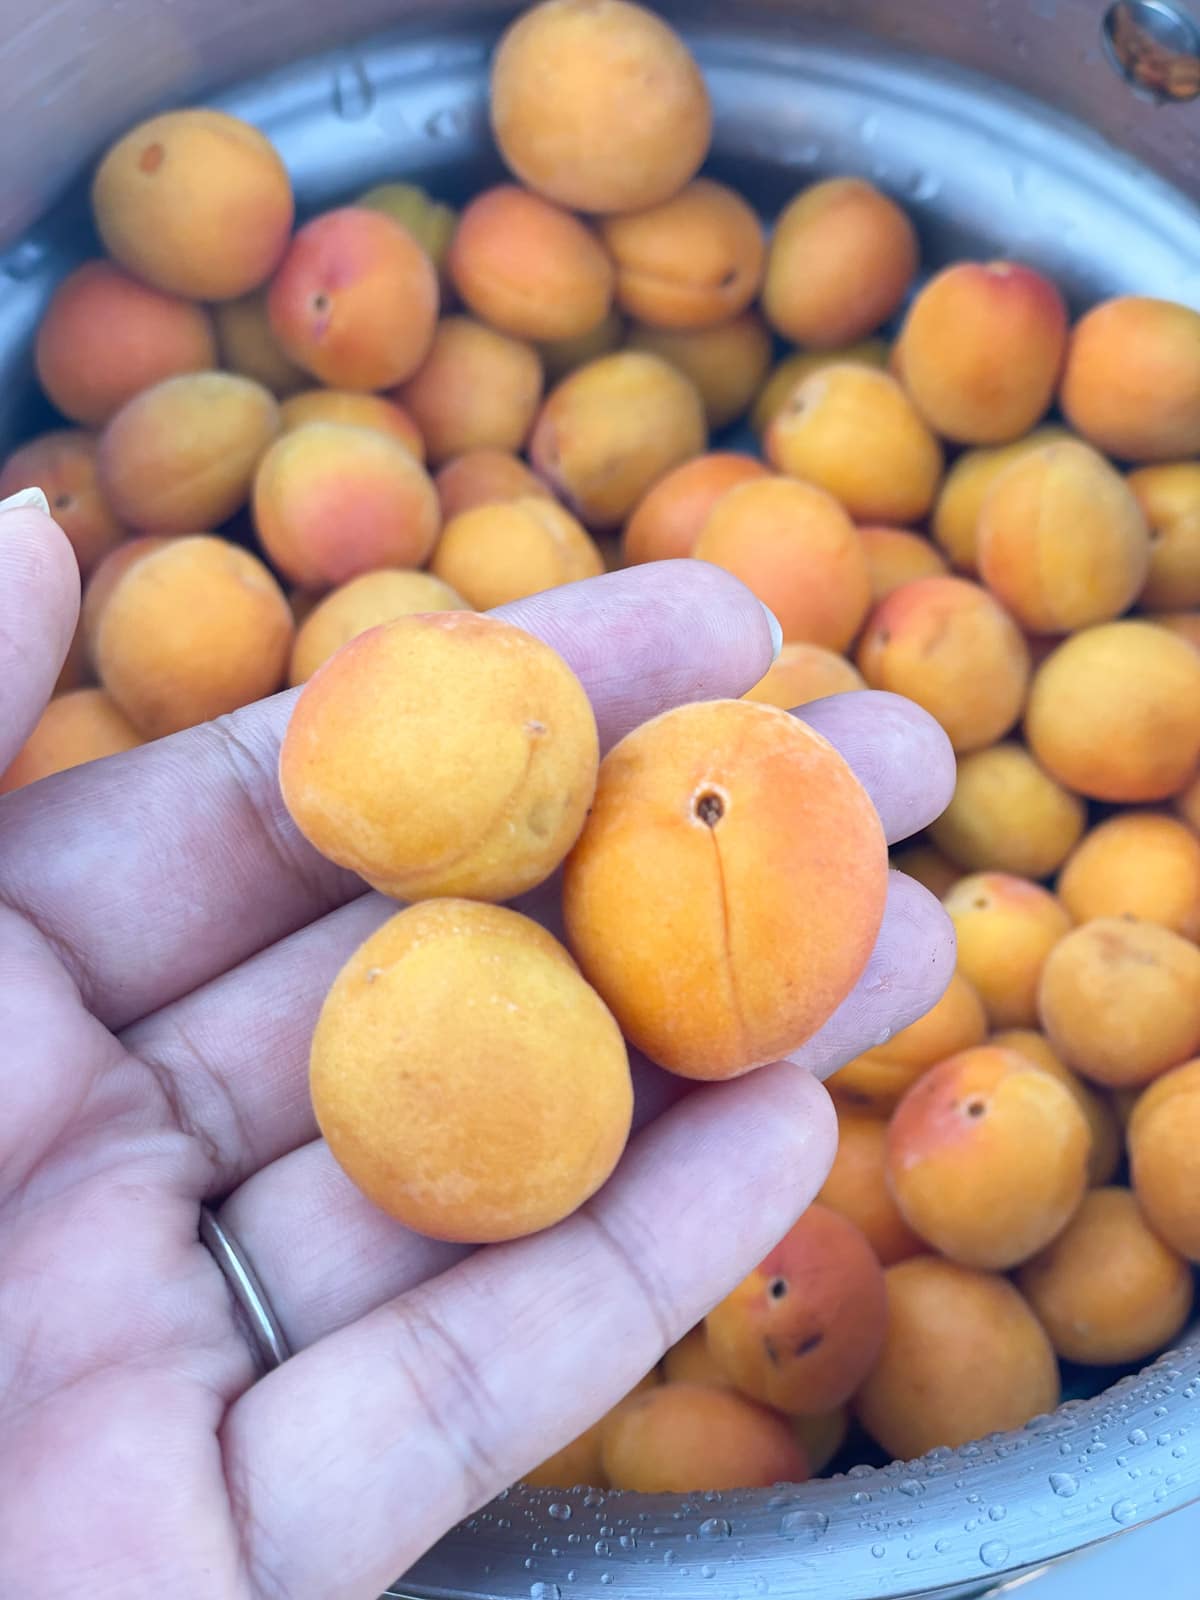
pixel 1184 624
pixel 105 336
pixel 1061 539
pixel 856 1188
pixel 841 260
pixel 63 465
pixel 1006 927
pixel 431 222
pixel 1107 1290
pixel 1139 864
pixel 1120 1000
pixel 104 580
pixel 687 808
pixel 331 501
pixel 560 356
pixel 804 672
pixel 476 389
pixel 964 1356
pixel 1008 815
pixel 502 552
pixel 528 267
pixel 926 863
pixel 482 477
pixel 465 1077
pixel 684 1437
pixel 789 373
pixel 948 645
pixel 578 1461
pixel 471 775
pixel 802 1331
pixel 690 1360
pixel 355 410
pixel 355 300
pixel 1097 1107
pixel 182 455
pixel 610 430
pixel 248 346
pixel 364 602
pixel 667 520
pixel 196 203
pixel 83 725
pixel 794 546
pixel 897 556
pixel 981 349
pixel 987 1157
pixel 691 261
pixel 1114 712
pixel 727 362
pixel 195 628
pixel 818 435
pixel 598 104
pixel 955 521
pixel 1131 385
pixel 877 1080
pixel 1169 496
pixel 1164 1156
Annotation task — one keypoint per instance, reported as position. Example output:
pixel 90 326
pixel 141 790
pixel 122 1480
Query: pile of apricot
pixel 316 455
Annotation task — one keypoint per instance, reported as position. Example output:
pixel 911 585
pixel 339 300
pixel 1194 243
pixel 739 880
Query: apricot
pixel 981 348
pixel 1164 1157
pixel 195 628
pixel 332 501
pixel 684 1437
pixel 1107 1290
pixel 560 356
pixel 667 521
pixel 354 410
pixel 1120 1000
pixel 727 362
pixel 877 1080
pixel 355 300
pixel 598 104
pixel 964 1356
pixel 1169 497
pixel 471 775
pixel 687 808
pixel 578 1462
pixel 794 546
pixel 948 645
pixel 895 556
pixel 1184 624
pixel 497 553
pixel 789 373
pixel 841 260
pixel 927 864
pixel 1008 815
pixel 431 222
pixel 819 432
pixel 1098 1110
pixel 955 521
pixel 1061 539
pixel 804 672
pixel 476 389
pixel 1187 803
pixel 987 1157
pixel 1140 864
pixel 483 477
pixel 63 465
pixel 248 346
pixel 464 1076
pixel 1006 927
pixel 610 430
pixel 694 260
pixel 196 203
pixel 104 580
pixel 1131 385
pixel 804 1328
pixel 856 1188
pixel 691 1361
pixel 822 1437
pixel 364 602
pixel 83 725
pixel 105 336
pixel 182 455
pixel 1114 712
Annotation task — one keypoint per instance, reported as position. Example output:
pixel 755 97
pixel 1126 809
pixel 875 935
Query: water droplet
pixel 761 1586
pixel 879 1551
pixel 1124 1511
pixel 23 260
pixel 606 1577
pixel 715 1528
pixel 560 1512
pixel 1138 1436
pixel 544 1591
pixel 628 1541
pixel 868 128
pixel 993 1553
pixel 708 1572
pixel 805 1524
pixel 353 91
pixel 594 1497
pixel 448 123
pixel 860 1497
pixel 603 1548
pixel 1164 1438
pixel 997 1513
pixel 1064 1484
pixel 1179 1450
pixel 940 1546
pixel 911 1487
pixel 572 1575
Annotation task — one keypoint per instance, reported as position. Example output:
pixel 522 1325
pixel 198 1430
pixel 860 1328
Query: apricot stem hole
pixel 975 1108
pixel 710 808
pixel 777 1288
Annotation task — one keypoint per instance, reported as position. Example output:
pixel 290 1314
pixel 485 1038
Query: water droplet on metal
pixel 804 1524
pixel 628 1541
pixel 708 1572
pixel 593 1497
pixel 715 1528
pixel 940 1546
pixel 1124 1511
pixel 450 122
pixel 561 1513
pixel 1138 1436
pixel 997 1513
pixel 544 1591
pixel 603 1548
pixel 1064 1485
pixel 353 91
pixel 993 1553
pixel 24 260
pixel 879 1551
pixel 911 1487
pixel 606 1577
pixel 761 1586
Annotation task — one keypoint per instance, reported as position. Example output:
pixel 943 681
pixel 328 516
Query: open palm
pixel 166 939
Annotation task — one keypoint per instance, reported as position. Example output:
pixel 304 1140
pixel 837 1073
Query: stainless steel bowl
pixel 1060 131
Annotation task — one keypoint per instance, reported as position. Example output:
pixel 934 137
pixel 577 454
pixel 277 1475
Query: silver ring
pixel 266 1336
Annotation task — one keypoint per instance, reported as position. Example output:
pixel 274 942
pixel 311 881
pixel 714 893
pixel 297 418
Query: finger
pixel 39 605
pixel 163 867
pixel 438 1400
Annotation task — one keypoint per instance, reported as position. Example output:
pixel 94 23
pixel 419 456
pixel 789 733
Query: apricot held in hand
pixel 466 1078
pixel 494 554
pixel 711 964
pixel 1164 1157
pixel 804 1329
pixel 365 602
pixel 685 1437
pixel 449 754
pixel 63 465
pixel 83 725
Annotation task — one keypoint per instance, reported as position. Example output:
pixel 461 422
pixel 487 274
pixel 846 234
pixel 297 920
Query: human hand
pixel 166 940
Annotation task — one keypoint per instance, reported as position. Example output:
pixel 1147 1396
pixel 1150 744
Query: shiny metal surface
pixel 1155 46
pixel 886 89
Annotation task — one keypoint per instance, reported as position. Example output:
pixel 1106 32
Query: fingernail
pixel 26 500
pixel 776 631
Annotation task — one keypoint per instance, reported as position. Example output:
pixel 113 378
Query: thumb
pixel 39 607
